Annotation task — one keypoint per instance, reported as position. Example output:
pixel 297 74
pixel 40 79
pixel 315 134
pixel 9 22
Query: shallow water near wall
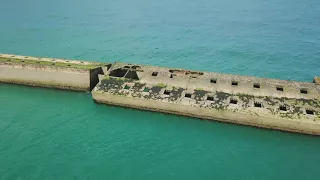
pixel 52 134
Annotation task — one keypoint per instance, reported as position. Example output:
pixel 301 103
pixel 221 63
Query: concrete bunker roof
pixel 234 84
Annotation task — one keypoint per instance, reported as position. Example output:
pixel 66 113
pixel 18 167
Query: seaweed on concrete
pixel 199 94
pixel 175 94
pixel 162 85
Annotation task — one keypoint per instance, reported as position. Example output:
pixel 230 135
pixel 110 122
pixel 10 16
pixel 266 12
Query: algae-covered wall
pixel 46 72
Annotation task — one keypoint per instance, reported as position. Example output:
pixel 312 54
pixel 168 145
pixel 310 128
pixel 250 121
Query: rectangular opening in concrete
pixel 234 83
pixel 146 89
pixel 155 74
pixel 167 92
pixel 258 104
pixel 132 75
pixel 171 76
pixel 136 67
pixel 283 108
pixel 210 98
pixel 126 87
pixel 303 91
pixel 213 80
pixel 233 101
pixel 187 95
pixel 118 72
pixel 194 73
pixel 256 86
pixel 309 111
pixel 279 88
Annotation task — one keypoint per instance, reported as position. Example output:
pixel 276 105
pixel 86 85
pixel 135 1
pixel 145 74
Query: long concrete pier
pixel 267 103
pixel 50 72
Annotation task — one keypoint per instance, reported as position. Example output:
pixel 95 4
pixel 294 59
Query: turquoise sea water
pixel 50 134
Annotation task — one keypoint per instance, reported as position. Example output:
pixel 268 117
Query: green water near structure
pixel 51 134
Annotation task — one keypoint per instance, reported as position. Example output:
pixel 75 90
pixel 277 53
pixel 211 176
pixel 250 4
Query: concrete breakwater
pixel 268 103
pixel 50 72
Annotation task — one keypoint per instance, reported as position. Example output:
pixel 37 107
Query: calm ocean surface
pixel 50 134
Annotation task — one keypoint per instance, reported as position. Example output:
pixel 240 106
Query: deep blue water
pixel 49 134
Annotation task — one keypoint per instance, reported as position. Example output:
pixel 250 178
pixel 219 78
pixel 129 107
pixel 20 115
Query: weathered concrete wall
pixel 46 72
pixel 285 124
pixel 46 77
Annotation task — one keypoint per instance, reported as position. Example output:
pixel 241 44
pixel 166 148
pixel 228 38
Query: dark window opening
pixel 118 72
pixel 279 88
pixel 303 91
pixel 258 104
pixel 210 98
pixel 69 65
pixel 257 86
pixel 22 61
pixel 308 111
pixel 172 75
pixel 234 83
pixel 128 67
pixel 132 75
pixel 187 95
pixel 126 87
pixel 233 101
pixel 283 108
pixel 176 71
pixel 155 74
pixel 167 92
pixel 193 77
pixel 213 81
pixel 136 67
pixel 146 89
pixel 194 73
